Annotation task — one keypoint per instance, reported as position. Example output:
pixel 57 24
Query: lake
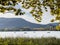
pixel 30 34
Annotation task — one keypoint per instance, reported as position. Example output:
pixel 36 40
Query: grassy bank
pixel 29 41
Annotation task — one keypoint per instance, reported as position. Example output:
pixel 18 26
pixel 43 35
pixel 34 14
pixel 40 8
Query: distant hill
pixel 21 23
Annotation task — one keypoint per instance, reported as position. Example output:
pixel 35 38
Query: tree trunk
pixel 59 22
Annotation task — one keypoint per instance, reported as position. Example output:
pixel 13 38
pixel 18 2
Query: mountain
pixel 17 22
pixel 21 23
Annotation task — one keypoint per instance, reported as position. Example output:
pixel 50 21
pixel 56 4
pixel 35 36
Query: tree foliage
pixel 58 27
pixel 36 7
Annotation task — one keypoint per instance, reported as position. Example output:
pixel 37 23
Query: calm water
pixel 31 34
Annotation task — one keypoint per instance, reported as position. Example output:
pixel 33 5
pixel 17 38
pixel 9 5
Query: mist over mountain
pixel 21 23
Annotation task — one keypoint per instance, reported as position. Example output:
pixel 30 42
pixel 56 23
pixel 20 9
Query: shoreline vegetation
pixel 28 29
pixel 30 41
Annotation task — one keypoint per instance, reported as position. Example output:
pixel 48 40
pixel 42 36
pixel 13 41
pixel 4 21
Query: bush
pixel 29 41
pixel 57 27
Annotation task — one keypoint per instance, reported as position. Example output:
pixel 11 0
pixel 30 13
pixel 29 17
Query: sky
pixel 46 18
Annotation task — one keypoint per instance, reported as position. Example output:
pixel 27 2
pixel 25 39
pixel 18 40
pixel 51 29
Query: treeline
pixel 32 29
pixel 29 41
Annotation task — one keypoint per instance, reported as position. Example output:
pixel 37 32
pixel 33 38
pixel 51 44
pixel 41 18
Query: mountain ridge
pixel 20 23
